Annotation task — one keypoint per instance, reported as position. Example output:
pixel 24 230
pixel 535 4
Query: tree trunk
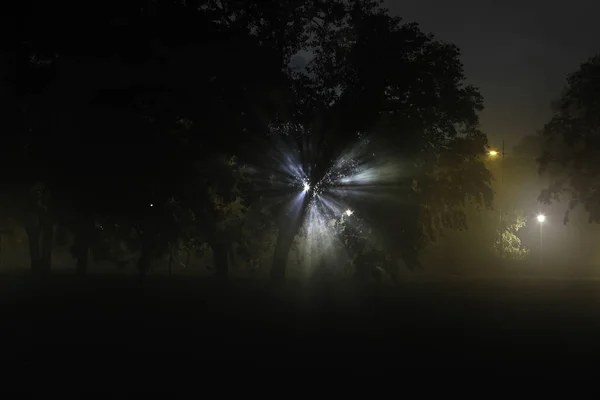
pixel 82 260
pixel 220 260
pixel 188 258
pixel 143 263
pixel 33 237
pixel 84 237
pixel 285 239
pixel 46 246
pixel 81 249
pixel 289 226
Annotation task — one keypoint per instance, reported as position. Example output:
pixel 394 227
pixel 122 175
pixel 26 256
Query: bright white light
pixel 349 212
pixel 306 187
pixel 541 218
pixel 151 205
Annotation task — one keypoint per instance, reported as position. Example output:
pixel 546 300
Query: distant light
pixel 151 205
pixel 306 187
pixel 493 153
pixel 349 212
pixel 541 218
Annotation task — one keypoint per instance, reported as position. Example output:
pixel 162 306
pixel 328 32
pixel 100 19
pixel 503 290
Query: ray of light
pixel 357 182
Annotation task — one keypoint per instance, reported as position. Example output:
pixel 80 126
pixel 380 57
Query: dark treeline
pixel 163 126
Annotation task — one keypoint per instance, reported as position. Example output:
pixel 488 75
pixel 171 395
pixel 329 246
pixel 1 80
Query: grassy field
pixel 505 323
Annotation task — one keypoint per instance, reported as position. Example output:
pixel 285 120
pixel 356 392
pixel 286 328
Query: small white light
pixel 151 205
pixel 349 212
pixel 306 187
pixel 541 218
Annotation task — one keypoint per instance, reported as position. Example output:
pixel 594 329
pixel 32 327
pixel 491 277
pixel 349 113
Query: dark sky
pixel 517 52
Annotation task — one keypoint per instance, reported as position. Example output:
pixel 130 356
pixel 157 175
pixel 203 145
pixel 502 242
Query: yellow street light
pixel 495 153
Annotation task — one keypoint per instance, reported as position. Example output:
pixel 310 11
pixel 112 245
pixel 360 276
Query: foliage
pixel 508 245
pixel 373 75
pixel 456 177
pixel 146 136
pixel 572 142
pixel 368 257
pixel 154 177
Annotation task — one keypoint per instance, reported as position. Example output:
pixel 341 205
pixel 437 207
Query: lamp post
pixel 541 218
pixel 495 153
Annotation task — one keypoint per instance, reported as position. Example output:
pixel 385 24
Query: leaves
pixel 154 143
pixel 509 244
pixel 572 141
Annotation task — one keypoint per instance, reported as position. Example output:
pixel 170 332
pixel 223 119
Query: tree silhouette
pixel 376 77
pixel 146 135
pixel 103 124
pixel 572 143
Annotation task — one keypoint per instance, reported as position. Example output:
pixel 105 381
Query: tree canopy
pixel 188 124
pixel 572 142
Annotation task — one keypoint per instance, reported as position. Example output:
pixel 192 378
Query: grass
pixel 429 323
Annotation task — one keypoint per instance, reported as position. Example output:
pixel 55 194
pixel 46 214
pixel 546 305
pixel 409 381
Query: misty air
pixel 301 184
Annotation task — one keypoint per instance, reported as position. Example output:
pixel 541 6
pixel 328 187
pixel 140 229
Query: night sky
pixel 517 52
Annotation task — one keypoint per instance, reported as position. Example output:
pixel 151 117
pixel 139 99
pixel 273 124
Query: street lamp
pixel 349 212
pixel 494 153
pixel 541 218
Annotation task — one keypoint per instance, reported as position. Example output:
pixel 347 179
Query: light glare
pixel 306 187
pixel 349 212
pixel 541 218
pixel 493 153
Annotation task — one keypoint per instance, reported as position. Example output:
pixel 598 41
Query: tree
pixel 508 244
pixel 31 188
pixel 572 143
pixel 155 183
pixel 373 76
pixel 131 155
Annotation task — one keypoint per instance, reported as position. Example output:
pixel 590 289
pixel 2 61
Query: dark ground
pixel 504 325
